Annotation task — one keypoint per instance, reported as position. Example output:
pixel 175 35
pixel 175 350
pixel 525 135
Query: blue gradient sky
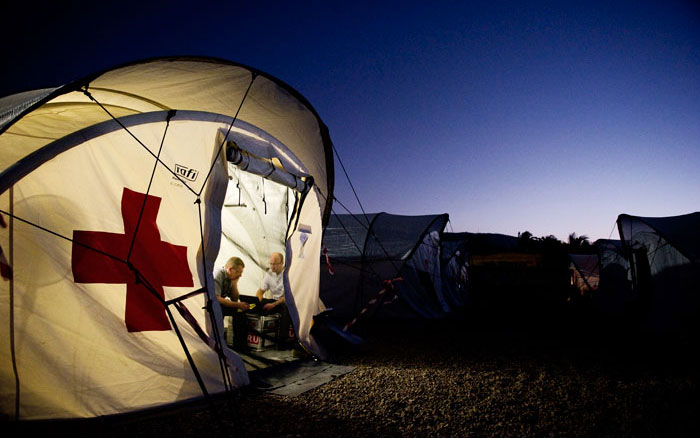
pixel 550 117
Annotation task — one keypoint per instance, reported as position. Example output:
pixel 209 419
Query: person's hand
pixel 243 305
pixel 269 306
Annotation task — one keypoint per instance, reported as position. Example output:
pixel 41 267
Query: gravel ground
pixel 444 379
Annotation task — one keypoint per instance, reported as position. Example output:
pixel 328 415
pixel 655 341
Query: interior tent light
pixel 265 168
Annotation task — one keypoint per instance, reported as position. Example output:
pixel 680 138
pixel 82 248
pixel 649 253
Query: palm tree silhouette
pixel 578 241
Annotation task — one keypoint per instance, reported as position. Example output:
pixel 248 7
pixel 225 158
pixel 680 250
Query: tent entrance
pixel 263 199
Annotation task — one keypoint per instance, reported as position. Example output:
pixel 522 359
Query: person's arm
pixel 225 302
pixel 270 306
pixel 236 296
pixel 260 294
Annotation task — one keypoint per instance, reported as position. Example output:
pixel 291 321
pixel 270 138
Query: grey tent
pixel 665 267
pixel 383 265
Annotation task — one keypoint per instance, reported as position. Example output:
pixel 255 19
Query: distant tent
pixel 584 272
pixel 380 259
pixel 614 295
pixel 117 192
pixel 459 251
pixel 665 267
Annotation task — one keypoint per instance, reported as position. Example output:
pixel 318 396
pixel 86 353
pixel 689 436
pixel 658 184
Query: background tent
pixel 614 296
pixel 111 198
pixel 665 267
pixel 456 252
pixel 585 276
pixel 377 252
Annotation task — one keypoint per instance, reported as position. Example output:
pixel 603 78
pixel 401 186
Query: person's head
pixel 234 268
pixel 276 262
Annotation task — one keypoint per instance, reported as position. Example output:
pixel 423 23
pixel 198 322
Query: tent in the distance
pixel 614 296
pixel 115 192
pixel 585 276
pixel 665 268
pixel 383 265
pixel 516 281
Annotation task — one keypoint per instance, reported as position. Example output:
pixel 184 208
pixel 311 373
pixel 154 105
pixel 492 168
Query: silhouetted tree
pixel 526 240
pixel 551 245
pixel 578 241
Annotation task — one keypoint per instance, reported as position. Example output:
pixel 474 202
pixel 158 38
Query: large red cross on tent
pixel 159 263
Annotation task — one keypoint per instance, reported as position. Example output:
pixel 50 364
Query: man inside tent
pixel 226 285
pixel 274 283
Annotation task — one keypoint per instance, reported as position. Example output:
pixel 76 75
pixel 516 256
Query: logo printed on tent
pixel 103 257
pixel 186 172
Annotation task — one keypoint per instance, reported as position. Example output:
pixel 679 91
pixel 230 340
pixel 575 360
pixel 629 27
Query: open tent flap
pixel 264 212
pixel 256 152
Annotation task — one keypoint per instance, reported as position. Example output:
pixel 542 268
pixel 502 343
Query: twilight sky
pixel 546 116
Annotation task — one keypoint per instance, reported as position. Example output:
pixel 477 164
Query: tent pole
pixel 12 301
pixel 187 352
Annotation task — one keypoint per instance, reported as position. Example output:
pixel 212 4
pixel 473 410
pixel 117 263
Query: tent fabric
pixel 682 232
pixel 118 201
pixel 665 267
pixel 669 241
pixel 367 251
pixel 585 272
pixel 194 83
pixel 13 106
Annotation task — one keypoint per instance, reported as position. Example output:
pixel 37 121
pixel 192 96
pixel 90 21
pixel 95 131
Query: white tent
pixel 117 192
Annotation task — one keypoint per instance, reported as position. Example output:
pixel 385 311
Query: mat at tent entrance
pixel 294 378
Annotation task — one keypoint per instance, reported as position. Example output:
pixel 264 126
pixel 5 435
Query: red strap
pixel 328 261
pixel 388 286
